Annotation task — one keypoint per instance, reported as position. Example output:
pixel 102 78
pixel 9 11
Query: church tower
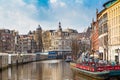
pixel 60 29
pixel 38 39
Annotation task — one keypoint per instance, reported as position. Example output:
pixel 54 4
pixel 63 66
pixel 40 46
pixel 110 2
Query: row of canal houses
pixel 65 41
pixel 105 37
pixel 11 41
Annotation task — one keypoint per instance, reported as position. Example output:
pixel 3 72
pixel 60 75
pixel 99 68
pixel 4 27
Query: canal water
pixel 43 70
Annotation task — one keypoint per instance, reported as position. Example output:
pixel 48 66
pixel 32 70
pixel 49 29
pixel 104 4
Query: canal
pixel 43 70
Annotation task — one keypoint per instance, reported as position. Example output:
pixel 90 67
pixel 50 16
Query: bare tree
pixel 104 45
pixel 75 47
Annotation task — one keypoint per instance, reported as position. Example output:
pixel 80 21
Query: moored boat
pixel 68 59
pixel 98 72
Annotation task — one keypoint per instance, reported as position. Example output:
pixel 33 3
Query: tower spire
pixel 39 27
pixel 60 26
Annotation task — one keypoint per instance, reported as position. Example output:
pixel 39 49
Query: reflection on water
pixel 45 70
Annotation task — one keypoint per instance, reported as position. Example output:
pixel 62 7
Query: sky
pixel 26 15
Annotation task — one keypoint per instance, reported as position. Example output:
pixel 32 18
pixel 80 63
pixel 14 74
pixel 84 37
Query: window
pixel 105 28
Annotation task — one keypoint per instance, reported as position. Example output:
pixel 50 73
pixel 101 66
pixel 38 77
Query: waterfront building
pixel 94 37
pixel 38 39
pixel 102 18
pixel 26 44
pixel 32 47
pixel 58 40
pixel 109 30
pixel 113 29
pixel 46 39
pixel 31 42
pixel 7 40
pixel 23 43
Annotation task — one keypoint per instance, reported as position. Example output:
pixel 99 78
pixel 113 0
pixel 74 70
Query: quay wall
pixel 8 60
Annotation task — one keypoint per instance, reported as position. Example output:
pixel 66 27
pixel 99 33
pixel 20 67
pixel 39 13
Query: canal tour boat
pixel 97 72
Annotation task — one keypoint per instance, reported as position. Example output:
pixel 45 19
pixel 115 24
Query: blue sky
pixel 25 15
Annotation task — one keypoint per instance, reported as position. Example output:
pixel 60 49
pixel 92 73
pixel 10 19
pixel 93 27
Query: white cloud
pixel 62 4
pixel 19 2
pixel 72 15
pixel 53 1
pixel 16 15
pixel 57 4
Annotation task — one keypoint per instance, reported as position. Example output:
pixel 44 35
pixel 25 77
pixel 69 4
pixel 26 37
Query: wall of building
pixel 58 40
pixel 109 30
pixel 7 40
pixel 114 29
pixel 102 18
pixel 94 37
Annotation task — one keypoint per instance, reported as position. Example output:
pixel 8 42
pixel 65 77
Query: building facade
pixel 102 18
pixel 7 40
pixel 114 29
pixel 94 37
pixel 58 40
pixel 31 42
pixel 46 39
pixel 38 39
pixel 109 30
pixel 26 44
